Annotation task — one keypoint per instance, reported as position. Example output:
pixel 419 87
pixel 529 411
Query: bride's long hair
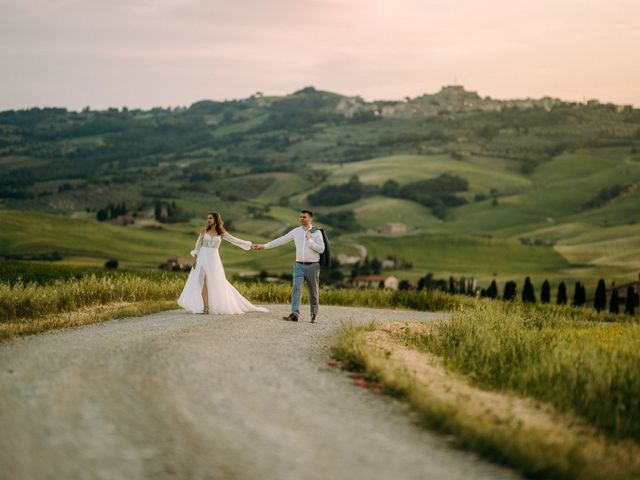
pixel 218 224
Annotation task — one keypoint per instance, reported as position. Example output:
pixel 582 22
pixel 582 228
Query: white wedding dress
pixel 223 297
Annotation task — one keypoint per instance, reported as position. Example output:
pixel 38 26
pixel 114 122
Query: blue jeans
pixel 310 273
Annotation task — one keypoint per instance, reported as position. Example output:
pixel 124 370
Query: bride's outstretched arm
pixel 238 242
pixel 196 250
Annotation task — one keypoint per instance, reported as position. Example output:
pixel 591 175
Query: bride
pixel 207 289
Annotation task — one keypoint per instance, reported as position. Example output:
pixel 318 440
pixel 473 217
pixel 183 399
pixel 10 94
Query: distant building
pixel 126 219
pixel 395 227
pixel 388 264
pixel 376 281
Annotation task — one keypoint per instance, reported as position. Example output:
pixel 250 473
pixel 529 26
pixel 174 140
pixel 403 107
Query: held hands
pixel 257 246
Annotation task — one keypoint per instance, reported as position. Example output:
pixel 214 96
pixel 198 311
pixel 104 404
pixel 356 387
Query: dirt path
pixel 174 395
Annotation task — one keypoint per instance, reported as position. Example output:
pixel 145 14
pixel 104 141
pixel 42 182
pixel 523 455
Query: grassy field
pixel 567 358
pixel 284 185
pixel 480 257
pixel 87 242
pixel 544 206
pixel 551 391
pixel 478 239
pixel 482 172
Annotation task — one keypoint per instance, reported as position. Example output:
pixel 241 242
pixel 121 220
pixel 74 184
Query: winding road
pixel 174 395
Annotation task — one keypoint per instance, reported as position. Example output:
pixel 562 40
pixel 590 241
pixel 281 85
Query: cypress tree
pixel 492 291
pixel 453 287
pixel 600 302
pixel 583 295
pixel 577 295
pixel 528 295
pixel 561 299
pixel 509 290
pixel 614 304
pixel 545 292
pixel 102 215
pixel 630 301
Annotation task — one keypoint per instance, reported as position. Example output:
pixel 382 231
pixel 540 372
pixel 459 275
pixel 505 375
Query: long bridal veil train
pixel 223 298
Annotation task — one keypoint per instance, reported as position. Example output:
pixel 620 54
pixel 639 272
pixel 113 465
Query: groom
pixel 309 246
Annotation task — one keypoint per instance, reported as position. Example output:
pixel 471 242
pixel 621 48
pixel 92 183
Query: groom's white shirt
pixel 306 250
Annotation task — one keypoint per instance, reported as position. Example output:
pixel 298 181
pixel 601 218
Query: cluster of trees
pixel 343 221
pixel 462 285
pixel 375 266
pixel 302 110
pixel 343 193
pixel 631 299
pixel 398 140
pixel 14 184
pixel 579 298
pixel 165 212
pixel 111 211
pixel 437 193
pixel 606 195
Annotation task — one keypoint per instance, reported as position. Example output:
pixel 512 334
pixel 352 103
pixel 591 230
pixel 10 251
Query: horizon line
pixel 584 100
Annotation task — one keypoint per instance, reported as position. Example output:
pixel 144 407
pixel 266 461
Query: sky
pixel 168 53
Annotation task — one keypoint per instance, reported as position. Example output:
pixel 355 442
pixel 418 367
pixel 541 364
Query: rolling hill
pixel 545 188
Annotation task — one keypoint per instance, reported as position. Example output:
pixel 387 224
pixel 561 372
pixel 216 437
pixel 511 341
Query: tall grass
pixel 559 355
pixel 21 301
pixel 423 300
pixel 45 273
pixel 47 295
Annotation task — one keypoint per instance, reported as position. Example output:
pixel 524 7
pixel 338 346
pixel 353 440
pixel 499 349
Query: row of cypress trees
pixel 579 298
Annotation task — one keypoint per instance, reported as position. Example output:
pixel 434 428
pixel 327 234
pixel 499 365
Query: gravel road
pixel 174 395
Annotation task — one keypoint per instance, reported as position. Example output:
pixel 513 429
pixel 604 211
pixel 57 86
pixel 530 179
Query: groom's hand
pixel 258 246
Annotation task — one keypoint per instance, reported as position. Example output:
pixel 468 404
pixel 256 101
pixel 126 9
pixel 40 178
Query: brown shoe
pixel 291 318
pixel 313 318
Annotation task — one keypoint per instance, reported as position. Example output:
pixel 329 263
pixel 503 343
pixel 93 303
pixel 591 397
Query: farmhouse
pixel 394 227
pixel 376 281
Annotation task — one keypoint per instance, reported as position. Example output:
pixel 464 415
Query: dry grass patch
pixel 529 435
pixel 82 316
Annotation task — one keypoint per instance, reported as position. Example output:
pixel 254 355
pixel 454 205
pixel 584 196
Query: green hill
pixel 534 187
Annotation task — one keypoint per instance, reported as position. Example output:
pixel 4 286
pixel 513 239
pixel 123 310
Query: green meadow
pixel 487 240
pixel 472 256
pixel 479 239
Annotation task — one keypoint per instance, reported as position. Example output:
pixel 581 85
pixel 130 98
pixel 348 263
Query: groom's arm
pixel 286 238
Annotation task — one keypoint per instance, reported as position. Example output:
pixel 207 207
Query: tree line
pixel 615 303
